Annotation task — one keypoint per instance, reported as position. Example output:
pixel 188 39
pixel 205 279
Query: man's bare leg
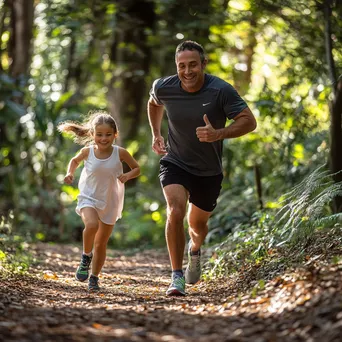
pixel 198 230
pixel 198 226
pixel 176 198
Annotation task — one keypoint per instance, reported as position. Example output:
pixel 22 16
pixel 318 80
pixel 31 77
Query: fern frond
pixel 328 221
pixel 306 206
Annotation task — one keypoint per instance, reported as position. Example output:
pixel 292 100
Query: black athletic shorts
pixel 203 190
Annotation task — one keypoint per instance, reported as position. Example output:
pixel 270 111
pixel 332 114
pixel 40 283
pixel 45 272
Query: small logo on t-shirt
pixel 205 104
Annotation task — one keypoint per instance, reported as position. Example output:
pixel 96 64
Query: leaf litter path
pixel 303 304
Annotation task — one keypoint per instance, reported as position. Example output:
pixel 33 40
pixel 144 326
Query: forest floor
pixel 297 303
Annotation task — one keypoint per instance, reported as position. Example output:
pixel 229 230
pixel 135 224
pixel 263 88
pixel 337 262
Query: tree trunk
pixel 258 186
pixel 131 56
pixel 242 79
pixel 336 142
pixel 335 108
pixel 22 24
pixel 19 51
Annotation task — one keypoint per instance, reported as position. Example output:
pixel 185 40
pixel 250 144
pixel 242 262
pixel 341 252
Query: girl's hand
pixel 69 178
pixel 123 178
pixel 131 162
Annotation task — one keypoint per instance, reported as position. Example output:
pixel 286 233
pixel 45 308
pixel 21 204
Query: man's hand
pixel 158 145
pixel 69 178
pixel 207 133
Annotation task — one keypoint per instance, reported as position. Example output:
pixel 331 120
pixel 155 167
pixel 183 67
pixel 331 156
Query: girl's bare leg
pixel 100 247
pixel 91 224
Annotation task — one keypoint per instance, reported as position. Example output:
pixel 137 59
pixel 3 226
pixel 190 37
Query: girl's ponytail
pixel 82 133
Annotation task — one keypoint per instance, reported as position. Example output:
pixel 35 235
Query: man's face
pixel 190 70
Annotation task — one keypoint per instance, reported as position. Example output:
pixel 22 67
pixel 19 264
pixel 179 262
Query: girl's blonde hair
pixel 83 132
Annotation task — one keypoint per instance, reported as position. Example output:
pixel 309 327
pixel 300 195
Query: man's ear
pixel 205 62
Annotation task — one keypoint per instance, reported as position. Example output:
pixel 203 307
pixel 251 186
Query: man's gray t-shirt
pixel 218 99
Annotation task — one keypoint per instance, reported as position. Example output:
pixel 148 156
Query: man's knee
pixel 175 213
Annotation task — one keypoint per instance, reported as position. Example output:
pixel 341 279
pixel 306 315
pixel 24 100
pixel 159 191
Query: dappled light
pixel 297 304
pixel 271 267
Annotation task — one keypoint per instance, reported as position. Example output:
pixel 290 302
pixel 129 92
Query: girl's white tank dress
pixel 100 188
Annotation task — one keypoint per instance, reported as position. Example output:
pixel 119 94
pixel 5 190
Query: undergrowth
pixel 14 255
pixel 304 211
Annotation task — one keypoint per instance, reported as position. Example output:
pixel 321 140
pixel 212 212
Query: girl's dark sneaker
pixel 93 284
pixel 82 272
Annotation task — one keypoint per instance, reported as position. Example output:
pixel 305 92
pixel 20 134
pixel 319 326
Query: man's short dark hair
pixel 191 46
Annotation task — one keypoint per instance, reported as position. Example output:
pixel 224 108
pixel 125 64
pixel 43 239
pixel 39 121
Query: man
pixel 197 106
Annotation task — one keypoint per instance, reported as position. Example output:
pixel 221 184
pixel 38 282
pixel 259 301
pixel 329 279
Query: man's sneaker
pixel 193 270
pixel 177 286
pixel 82 272
pixel 93 284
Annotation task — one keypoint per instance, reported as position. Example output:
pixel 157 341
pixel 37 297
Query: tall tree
pixel 17 20
pixel 131 57
pixel 336 103
pixel 21 47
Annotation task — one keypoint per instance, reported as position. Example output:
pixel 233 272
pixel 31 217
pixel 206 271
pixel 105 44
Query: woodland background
pixel 61 58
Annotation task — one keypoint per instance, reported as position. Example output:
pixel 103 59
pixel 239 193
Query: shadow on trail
pixel 103 319
pixel 132 305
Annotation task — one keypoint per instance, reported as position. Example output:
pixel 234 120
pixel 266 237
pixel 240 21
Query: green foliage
pixel 9 90
pixel 14 255
pixel 303 211
pixel 264 48
pixel 235 208
pixel 143 221
pixel 307 207
pixel 259 286
pixel 246 244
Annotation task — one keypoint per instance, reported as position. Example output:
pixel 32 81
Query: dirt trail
pixel 301 305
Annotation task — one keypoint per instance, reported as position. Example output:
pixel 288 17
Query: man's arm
pixel 155 116
pixel 243 123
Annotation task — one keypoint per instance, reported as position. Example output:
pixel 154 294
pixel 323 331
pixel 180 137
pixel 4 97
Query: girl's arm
pixel 131 162
pixel 74 163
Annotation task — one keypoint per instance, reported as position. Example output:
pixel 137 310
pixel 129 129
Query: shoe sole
pixel 175 293
pixel 188 281
pixel 192 283
pixel 81 280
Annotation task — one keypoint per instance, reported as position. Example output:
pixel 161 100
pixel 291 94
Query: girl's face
pixel 104 136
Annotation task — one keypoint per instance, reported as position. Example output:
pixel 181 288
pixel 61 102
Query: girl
pixel 101 186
